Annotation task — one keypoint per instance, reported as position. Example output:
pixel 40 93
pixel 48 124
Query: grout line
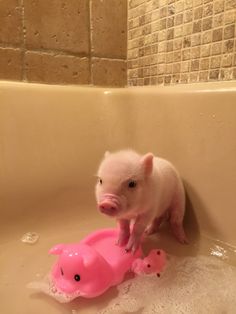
pixel 90 40
pixel 61 52
pixel 23 40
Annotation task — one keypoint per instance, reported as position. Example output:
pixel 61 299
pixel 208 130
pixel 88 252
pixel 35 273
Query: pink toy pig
pixel 153 263
pixel 90 267
pixel 81 270
pixel 145 189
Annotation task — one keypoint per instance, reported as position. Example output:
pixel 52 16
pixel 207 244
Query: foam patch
pixel 188 285
pixel 47 286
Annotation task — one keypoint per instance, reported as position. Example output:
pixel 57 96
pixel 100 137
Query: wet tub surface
pixel 51 141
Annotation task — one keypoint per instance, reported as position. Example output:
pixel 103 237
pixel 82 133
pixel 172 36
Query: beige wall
pixel 64 41
pixel 181 41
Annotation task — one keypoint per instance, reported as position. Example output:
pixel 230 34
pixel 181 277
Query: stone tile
pixel 219 6
pixel 167 79
pixel 198 13
pixel 197 26
pixel 205 50
pixel 208 9
pixel 147 81
pixel 59 25
pixel 203 76
pixel 184 77
pixel 217 34
pixel 135 3
pixel 207 23
pixel 195 52
pixel 10 21
pixel 11 64
pixel 216 48
pixel 227 60
pixel 107 72
pixel 185 66
pixel 226 74
pixel 215 62
pixel 170 22
pixel 175 78
pixel 195 65
pixel 176 56
pixel 230 4
pixel 229 31
pixel 196 40
pixel 207 37
pixel 179 19
pixel 197 2
pixel 176 67
pixel 228 46
pixel 204 64
pixel 186 54
pixel 230 17
pixel 218 20
pixel 234 73
pixel 187 42
pixel 214 74
pixel 109 33
pixel 188 16
pixel 56 69
pixel 193 78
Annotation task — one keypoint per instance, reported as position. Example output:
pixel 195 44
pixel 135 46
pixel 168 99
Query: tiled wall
pixel 64 41
pixel 181 41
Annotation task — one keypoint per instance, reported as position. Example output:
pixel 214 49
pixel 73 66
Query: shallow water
pixel 199 278
pixel 189 285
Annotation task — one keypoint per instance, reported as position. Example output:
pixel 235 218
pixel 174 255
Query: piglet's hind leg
pixel 154 226
pixel 177 215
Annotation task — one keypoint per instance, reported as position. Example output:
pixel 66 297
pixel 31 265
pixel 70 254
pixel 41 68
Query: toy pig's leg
pixel 177 215
pixel 124 232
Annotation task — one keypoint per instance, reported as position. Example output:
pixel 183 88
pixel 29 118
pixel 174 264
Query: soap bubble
pixel 30 237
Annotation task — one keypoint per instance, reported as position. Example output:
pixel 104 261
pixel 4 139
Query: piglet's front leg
pixel 124 232
pixel 137 233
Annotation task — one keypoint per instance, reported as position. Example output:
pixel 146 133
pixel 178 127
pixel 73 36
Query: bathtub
pixel 51 141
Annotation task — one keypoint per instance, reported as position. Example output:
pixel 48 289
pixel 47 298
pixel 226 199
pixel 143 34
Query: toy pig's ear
pixel 107 153
pixel 147 163
pixel 57 249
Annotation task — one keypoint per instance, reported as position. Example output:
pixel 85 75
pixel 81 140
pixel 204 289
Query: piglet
pixel 143 189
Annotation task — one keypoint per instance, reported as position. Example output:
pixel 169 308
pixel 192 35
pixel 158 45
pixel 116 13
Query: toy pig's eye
pixel 62 272
pixel 132 184
pixel 77 277
pixel 100 181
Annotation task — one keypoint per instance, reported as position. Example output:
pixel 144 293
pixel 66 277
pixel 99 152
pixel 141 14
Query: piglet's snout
pixel 109 205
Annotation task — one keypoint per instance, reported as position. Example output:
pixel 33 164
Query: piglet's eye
pixel 100 181
pixel 132 184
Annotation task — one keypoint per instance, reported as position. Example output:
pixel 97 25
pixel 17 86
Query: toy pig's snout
pixel 109 205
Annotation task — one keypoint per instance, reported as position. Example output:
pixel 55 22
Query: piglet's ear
pixel 147 163
pixel 57 249
pixel 107 153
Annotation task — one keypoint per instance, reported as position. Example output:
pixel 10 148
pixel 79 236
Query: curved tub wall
pixel 52 139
